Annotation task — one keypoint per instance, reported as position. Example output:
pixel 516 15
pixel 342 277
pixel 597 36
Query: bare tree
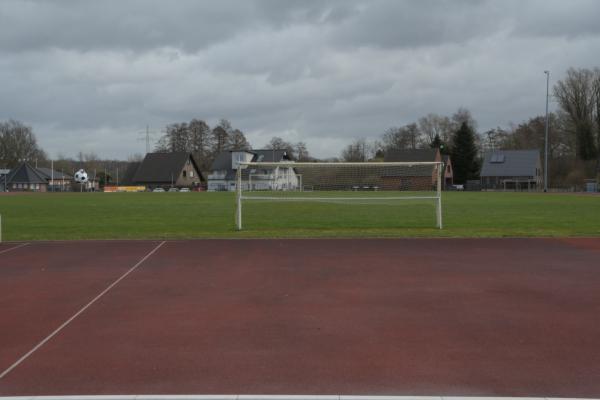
pixel 220 140
pixel 433 125
pixel 575 94
pixel 357 151
pixel 237 141
pixel 226 125
pixel 403 138
pixel 301 152
pixel 200 139
pixel 463 115
pixel 277 143
pixel 18 144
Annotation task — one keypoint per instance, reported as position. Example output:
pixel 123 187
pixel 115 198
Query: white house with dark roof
pixel 511 170
pixel 224 170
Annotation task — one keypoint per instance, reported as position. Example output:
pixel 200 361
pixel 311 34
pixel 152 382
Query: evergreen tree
pixel 464 155
pixel 438 143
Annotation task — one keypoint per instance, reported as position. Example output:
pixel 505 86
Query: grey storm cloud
pixel 89 75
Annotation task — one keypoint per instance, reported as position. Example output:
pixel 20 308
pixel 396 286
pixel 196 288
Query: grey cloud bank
pixel 90 75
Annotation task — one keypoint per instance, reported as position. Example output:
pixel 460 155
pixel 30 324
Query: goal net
pixel 367 183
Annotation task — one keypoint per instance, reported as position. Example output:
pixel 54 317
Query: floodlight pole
pixel 546 133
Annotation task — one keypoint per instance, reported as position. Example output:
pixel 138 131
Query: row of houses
pixel 501 170
pixel 28 178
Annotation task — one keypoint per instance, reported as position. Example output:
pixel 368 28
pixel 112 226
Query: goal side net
pixel 376 183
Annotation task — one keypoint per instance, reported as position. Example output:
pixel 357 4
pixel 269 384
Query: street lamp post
pixel 546 134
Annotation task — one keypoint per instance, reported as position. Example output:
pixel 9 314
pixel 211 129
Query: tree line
pixel 198 138
pixel 454 135
pixel 573 146
pixel 574 131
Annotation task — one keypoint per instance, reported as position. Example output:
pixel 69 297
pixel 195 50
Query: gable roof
pixel 510 163
pixel 127 177
pixel 269 155
pixel 162 167
pixel 25 173
pixel 47 174
pixel 223 160
pixel 416 155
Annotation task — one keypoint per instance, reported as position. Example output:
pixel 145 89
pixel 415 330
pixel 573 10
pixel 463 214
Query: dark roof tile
pixel 162 167
pixel 25 173
pixel 514 163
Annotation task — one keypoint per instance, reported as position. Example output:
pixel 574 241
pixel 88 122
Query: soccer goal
pixel 343 183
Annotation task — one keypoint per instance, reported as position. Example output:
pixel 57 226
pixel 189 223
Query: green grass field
pixel 56 216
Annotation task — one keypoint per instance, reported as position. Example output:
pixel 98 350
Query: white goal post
pixel 340 182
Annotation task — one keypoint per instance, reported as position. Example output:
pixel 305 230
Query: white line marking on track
pixel 78 313
pixel 13 248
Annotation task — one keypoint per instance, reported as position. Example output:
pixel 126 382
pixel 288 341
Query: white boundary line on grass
pixel 78 313
pixel 13 248
pixel 275 397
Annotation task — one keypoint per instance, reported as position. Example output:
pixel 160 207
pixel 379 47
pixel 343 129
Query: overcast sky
pixel 90 75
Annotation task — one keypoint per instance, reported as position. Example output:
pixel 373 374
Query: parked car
pixel 173 190
pixel 184 190
pixel 158 190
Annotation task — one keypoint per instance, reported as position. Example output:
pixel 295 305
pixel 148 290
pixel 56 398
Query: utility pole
pixel 546 133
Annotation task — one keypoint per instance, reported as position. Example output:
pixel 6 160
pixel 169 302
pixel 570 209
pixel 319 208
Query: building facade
pixel 519 170
pixel 167 170
pixel 224 171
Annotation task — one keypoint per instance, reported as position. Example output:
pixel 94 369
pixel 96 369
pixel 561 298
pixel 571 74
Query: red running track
pixel 505 317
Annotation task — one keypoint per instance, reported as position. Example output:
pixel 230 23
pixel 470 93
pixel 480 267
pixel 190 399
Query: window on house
pixel 184 172
pixel 191 174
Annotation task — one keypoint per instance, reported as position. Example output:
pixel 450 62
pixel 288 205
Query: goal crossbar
pixel 292 164
pixel 339 182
